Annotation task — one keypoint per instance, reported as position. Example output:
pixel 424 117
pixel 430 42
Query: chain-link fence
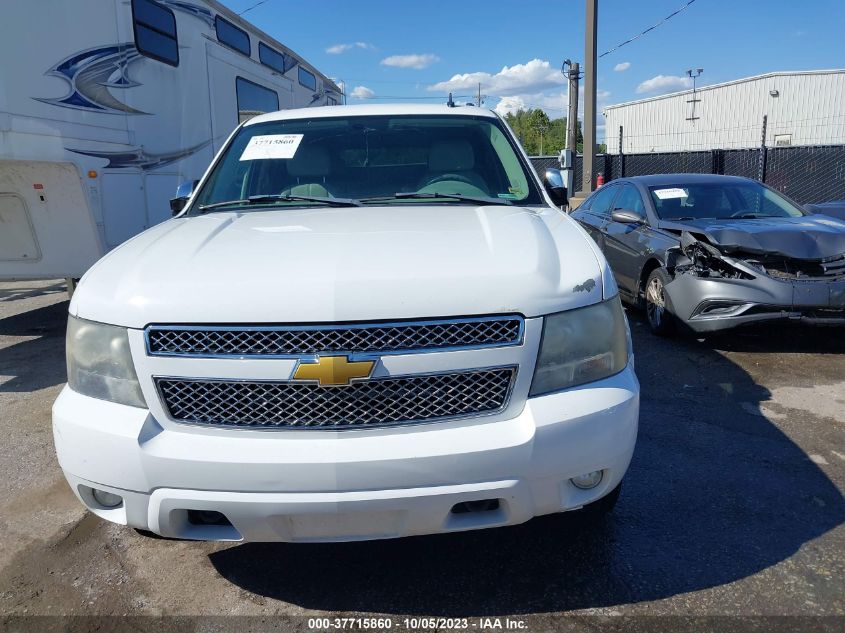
pixel 807 174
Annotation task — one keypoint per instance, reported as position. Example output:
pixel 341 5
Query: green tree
pixel 528 125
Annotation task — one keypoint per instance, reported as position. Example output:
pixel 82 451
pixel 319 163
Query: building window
pixel 331 101
pixel 271 58
pixel 155 31
pixel 254 99
pixel 232 36
pixel 307 79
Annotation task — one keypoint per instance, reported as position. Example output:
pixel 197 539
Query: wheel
pixel 660 320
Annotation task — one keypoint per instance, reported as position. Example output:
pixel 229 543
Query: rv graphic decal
pixel 138 158
pixel 191 9
pixel 91 73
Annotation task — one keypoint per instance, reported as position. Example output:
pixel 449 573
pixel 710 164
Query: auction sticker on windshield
pixel 272 146
pixel 665 194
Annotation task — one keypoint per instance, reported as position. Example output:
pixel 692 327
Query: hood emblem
pixel 333 371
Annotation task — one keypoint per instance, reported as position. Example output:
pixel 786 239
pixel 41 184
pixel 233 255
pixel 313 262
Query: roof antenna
pixel 450 103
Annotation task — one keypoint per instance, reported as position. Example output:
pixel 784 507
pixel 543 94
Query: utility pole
pixel 572 117
pixel 567 157
pixel 478 103
pixel 590 64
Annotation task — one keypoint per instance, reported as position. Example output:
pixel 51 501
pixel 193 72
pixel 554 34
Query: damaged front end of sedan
pixel 723 279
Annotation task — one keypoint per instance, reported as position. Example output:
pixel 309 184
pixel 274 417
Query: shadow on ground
pixel 715 494
pixel 37 361
pixel 18 292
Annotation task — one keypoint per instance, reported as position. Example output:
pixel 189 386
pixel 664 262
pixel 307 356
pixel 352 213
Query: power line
pixel 257 4
pixel 651 28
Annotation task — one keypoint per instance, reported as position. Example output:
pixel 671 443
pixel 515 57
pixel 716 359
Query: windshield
pixel 369 159
pixel 737 199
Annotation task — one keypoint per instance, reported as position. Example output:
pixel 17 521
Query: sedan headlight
pixel 581 346
pixel 99 363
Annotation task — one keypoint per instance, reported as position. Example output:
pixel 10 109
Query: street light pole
pixel 694 99
pixel 590 63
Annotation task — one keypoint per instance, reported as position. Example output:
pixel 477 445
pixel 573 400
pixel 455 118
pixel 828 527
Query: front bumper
pixel 348 485
pixel 707 304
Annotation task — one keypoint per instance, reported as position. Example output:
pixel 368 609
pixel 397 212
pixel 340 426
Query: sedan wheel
pixel 659 319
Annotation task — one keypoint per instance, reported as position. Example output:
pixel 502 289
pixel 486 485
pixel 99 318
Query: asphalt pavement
pixel 733 506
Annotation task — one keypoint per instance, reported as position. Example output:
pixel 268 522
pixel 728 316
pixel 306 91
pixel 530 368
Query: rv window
pixel 254 99
pixel 155 31
pixel 271 58
pixel 307 79
pixel 232 36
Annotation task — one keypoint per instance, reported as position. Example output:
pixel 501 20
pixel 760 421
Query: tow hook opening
pixel 481 505
pixel 207 517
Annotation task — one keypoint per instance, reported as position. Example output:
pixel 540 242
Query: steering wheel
pixel 448 177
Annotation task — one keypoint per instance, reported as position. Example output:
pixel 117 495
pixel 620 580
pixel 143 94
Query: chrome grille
pixel 285 340
pixel 375 402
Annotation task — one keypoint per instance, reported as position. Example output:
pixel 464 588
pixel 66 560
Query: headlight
pixel 99 363
pixel 581 346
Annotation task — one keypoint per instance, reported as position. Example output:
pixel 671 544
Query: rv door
pixel 241 88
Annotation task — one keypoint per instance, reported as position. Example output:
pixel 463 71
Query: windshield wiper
pixel 421 195
pixel 753 215
pixel 332 202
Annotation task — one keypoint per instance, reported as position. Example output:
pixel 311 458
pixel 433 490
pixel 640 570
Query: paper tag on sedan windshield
pixel 665 194
pixel 272 146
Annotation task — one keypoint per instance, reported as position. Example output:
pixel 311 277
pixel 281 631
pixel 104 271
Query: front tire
pixel 660 320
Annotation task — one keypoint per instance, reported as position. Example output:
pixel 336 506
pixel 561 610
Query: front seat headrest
pixel 450 156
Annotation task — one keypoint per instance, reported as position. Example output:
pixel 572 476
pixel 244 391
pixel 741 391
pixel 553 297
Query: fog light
pixel 106 499
pixel 590 480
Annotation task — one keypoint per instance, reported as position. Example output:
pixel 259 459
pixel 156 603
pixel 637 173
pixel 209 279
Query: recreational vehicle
pixel 110 104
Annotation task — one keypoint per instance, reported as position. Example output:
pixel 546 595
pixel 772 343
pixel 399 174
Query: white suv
pixel 364 322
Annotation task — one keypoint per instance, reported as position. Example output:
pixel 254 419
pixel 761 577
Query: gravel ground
pixel 733 506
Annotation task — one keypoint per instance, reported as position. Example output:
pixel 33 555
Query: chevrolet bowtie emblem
pixel 333 371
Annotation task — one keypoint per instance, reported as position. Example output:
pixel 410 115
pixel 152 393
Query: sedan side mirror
pixel 553 183
pixel 626 216
pixel 183 194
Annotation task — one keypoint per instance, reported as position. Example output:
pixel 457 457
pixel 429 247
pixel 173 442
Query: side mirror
pixel 183 194
pixel 553 183
pixel 626 216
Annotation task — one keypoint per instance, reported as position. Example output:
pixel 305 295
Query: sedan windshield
pixel 735 199
pixel 370 160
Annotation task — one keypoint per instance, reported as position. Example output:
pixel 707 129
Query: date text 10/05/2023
pixel 417 623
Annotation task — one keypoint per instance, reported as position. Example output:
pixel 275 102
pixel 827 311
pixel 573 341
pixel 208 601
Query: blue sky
pixel 419 50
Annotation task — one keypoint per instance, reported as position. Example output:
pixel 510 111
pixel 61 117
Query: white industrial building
pixel 802 108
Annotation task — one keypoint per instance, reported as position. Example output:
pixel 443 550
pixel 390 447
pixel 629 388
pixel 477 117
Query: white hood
pixel 344 264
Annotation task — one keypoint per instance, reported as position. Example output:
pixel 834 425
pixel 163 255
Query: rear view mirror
pixel 626 216
pixel 553 183
pixel 183 194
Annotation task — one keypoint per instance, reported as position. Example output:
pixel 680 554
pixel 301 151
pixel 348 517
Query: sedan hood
pixel 808 237
pixel 332 265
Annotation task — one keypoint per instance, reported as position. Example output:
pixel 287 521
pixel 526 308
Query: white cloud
pixel 509 105
pixel 417 62
pixel 621 66
pixel 337 49
pixel 664 83
pixel 532 77
pixel 555 104
pixel 362 92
